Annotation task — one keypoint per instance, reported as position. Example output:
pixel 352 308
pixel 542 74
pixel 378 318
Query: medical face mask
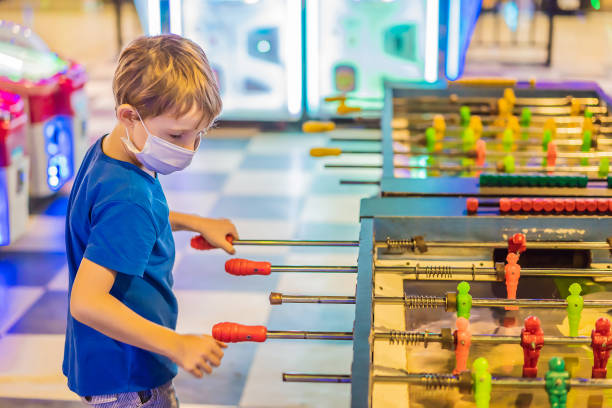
pixel 159 155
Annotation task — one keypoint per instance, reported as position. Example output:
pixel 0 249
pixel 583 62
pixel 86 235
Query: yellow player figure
pixel 575 303
pixel 482 382
pixel 464 300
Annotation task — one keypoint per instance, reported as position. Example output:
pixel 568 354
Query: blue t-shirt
pixel 118 218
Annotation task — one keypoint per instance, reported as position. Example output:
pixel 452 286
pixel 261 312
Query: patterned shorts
pixel 163 396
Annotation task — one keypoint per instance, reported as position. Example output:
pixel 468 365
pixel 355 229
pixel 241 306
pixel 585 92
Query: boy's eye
pixel 175 136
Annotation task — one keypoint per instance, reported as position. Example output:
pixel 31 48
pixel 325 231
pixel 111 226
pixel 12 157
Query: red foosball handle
pixel 234 333
pixel 244 267
pixel 198 242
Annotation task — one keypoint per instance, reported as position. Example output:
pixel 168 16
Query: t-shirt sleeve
pixel 121 238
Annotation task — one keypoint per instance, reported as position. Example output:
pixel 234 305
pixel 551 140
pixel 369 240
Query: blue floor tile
pixel 192 181
pixel 46 316
pixel 30 268
pixel 225 385
pixel 259 207
pixel 226 143
pixel 206 271
pixel 255 161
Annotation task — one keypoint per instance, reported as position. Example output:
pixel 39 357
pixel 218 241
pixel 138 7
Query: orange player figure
pixel 463 340
pixel 532 341
pixel 601 342
pixel 513 274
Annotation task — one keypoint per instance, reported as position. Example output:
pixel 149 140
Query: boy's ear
pixel 126 115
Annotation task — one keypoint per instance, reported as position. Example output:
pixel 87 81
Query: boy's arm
pixel 93 305
pixel 213 230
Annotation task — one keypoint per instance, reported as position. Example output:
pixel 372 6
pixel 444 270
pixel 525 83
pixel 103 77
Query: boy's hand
pixel 197 353
pixel 215 230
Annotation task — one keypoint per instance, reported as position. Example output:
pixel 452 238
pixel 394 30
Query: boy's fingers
pixel 227 247
pixel 221 344
pixel 196 372
pixel 217 351
pixel 234 232
pixel 203 365
pixel 214 360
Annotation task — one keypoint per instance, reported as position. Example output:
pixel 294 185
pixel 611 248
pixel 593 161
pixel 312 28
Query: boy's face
pixel 182 131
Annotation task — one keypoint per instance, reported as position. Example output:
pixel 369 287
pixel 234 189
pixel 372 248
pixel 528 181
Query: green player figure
pixel 482 382
pixel 557 383
pixel 575 303
pixel 464 300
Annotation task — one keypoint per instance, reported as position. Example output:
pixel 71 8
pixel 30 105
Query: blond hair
pixel 166 74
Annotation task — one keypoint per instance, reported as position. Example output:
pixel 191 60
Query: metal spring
pixel 401 244
pixel 438 381
pixel 407 338
pixel 422 302
pixel 435 272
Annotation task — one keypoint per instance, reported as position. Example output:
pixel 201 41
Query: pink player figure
pixel 532 341
pixel 513 274
pixel 601 343
pixel 463 340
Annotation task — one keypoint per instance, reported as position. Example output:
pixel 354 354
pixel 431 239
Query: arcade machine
pixel 257 63
pixel 14 168
pixel 354 46
pixel 53 91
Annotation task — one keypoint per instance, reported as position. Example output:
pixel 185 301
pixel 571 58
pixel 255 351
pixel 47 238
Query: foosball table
pixel 527 139
pixel 484 275
pixel 451 310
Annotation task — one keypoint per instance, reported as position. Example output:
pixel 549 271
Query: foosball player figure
pixel 557 383
pixel 575 304
pixel 463 340
pixel 482 382
pixel 464 300
pixel 601 342
pixel 532 341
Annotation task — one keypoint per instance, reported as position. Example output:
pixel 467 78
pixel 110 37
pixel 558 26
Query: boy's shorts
pixel 163 396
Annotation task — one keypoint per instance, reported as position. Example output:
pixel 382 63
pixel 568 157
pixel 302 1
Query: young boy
pixel 121 348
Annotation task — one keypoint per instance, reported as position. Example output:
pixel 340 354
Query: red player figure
pixel 532 341
pixel 463 340
pixel 513 274
pixel 601 343
pixel 517 243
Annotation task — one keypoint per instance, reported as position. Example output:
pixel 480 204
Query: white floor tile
pixel 45 233
pixel 331 208
pixel 216 160
pixel 199 311
pixel 264 385
pixel 191 202
pixel 60 281
pixel 31 367
pixel 268 183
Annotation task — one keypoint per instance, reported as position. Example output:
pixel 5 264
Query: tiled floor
pixel 269 187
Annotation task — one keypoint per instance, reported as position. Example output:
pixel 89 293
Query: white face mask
pixel 159 155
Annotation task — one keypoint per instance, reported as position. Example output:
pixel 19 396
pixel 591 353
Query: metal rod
pixel 443 381
pixel 409 244
pixel 537 303
pixel 428 302
pixel 316 269
pixel 413 337
pixel 317 378
pixel 438 271
pixel 296 243
pixel 308 335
